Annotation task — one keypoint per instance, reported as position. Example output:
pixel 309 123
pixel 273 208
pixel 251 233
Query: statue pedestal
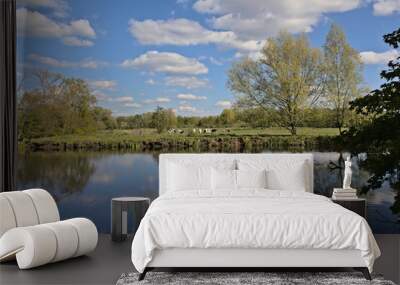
pixel 340 193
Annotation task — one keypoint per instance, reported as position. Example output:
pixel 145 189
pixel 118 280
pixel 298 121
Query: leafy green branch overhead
pixel 382 131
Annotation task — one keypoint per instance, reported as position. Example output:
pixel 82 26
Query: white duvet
pixel 250 219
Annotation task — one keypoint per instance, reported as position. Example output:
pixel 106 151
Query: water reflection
pixel 385 170
pixel 83 183
pixel 65 174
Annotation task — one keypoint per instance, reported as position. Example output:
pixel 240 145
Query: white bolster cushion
pixel 23 208
pixel 37 245
pixel 7 218
pixel 67 240
pixel 87 235
pixel 32 246
pixel 46 207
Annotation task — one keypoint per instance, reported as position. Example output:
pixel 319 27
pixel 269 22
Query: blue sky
pixel 136 55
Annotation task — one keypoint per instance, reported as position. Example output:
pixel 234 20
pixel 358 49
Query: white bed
pixel 280 225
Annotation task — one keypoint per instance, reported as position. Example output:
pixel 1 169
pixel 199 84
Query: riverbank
pixel 237 140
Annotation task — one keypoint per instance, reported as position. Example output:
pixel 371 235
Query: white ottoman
pixel 33 243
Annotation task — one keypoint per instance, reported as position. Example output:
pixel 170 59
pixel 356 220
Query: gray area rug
pixel 228 278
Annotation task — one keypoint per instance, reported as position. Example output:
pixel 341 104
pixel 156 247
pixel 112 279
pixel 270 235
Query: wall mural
pixel 104 89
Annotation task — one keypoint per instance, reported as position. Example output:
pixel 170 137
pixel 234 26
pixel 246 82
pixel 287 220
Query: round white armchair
pixel 31 230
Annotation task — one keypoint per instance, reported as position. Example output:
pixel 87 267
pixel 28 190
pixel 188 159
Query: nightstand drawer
pixel 358 206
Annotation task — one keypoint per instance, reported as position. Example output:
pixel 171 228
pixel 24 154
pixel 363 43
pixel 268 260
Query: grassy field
pixel 222 139
pixel 139 135
pixel 280 132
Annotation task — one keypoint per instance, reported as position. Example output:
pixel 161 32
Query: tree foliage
pixel 163 119
pixel 254 117
pixel 59 106
pixel 342 69
pixel 287 77
pixel 228 117
pixel 381 132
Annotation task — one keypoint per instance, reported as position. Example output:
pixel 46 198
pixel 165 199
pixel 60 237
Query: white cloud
pixel 189 82
pixel 127 101
pixel 186 32
pixel 215 61
pixel 92 64
pixel 50 61
pixel 188 96
pixel 82 28
pixel 133 105
pixel 167 62
pixel 158 100
pixel 74 41
pixel 150 81
pixel 259 19
pixel 35 24
pixel 100 96
pixel 371 57
pixel 225 104
pixel 60 7
pixel 386 7
pixel 123 99
pixel 103 84
pixel 187 109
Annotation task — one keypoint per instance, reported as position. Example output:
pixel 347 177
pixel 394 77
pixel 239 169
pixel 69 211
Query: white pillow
pixel 223 179
pixel 184 177
pixel 251 178
pixel 282 174
pixel 294 179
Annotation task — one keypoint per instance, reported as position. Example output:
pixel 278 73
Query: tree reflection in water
pixel 82 185
pixel 384 167
pixel 62 174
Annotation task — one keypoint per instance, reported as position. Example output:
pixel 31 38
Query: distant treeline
pixel 64 106
pixel 252 118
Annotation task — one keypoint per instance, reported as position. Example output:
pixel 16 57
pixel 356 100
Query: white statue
pixel 347 174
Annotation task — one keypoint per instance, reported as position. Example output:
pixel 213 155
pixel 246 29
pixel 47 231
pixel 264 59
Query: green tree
pixel 343 71
pixel 228 117
pixel 287 77
pixel 104 119
pixel 57 106
pixel 207 122
pixel 187 121
pixel 319 118
pixel 136 122
pixel 159 119
pixel 256 117
pixel 381 131
pixel 171 118
pixel 79 105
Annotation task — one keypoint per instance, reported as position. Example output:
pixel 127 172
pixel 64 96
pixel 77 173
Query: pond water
pixel 83 183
